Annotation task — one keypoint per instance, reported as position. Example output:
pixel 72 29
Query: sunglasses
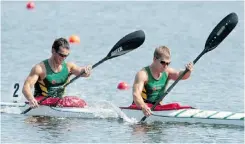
pixel 62 55
pixel 165 63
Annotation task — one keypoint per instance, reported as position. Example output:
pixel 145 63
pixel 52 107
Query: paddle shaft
pixel 175 82
pixel 95 65
pixel 30 108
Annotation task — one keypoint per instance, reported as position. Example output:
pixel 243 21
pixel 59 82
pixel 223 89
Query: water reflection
pixel 145 128
pixel 152 132
pixel 156 132
pixel 51 127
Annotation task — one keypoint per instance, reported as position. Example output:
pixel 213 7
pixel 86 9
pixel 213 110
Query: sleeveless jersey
pixel 52 82
pixel 153 86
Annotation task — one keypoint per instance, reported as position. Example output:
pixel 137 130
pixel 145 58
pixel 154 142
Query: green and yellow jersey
pixel 153 86
pixel 53 81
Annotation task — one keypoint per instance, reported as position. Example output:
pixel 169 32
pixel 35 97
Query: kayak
pixel 42 110
pixel 174 112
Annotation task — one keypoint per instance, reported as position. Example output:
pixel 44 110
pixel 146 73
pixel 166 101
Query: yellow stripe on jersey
pixel 44 94
pixel 143 94
pixel 43 88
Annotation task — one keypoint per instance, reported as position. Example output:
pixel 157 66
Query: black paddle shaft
pixel 95 65
pixel 28 109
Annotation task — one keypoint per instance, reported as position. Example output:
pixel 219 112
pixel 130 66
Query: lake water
pixel 217 82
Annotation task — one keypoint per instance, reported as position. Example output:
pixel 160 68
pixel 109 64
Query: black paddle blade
pixel 127 44
pixel 221 31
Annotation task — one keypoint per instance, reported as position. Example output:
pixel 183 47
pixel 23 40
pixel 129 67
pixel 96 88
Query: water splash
pixel 123 115
pixel 102 109
pixel 106 109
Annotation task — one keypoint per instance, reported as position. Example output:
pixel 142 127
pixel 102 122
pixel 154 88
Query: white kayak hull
pixel 190 116
pixel 175 115
pixel 59 111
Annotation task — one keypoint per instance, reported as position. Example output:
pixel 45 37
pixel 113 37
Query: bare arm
pixel 29 83
pixel 138 87
pixel 76 70
pixel 140 79
pixel 174 74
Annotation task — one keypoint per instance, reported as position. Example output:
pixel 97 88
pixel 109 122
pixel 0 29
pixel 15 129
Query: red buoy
pixel 74 39
pixel 30 5
pixel 122 86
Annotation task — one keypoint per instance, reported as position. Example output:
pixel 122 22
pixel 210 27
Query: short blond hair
pixel 162 51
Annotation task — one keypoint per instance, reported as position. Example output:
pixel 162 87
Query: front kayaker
pixel 48 76
pixel 151 79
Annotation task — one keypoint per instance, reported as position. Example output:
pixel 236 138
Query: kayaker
pixel 49 75
pixel 149 80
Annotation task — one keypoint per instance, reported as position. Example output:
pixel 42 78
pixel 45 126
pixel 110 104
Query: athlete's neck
pixel 56 67
pixel 155 72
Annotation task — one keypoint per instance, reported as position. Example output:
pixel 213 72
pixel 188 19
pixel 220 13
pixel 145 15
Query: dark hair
pixel 60 42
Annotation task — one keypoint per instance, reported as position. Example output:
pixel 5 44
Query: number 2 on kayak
pixel 16 86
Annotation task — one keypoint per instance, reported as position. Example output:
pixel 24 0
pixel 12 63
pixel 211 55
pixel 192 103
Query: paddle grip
pixel 27 110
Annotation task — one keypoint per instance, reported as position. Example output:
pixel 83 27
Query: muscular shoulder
pixel 141 76
pixel 37 71
pixel 38 68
